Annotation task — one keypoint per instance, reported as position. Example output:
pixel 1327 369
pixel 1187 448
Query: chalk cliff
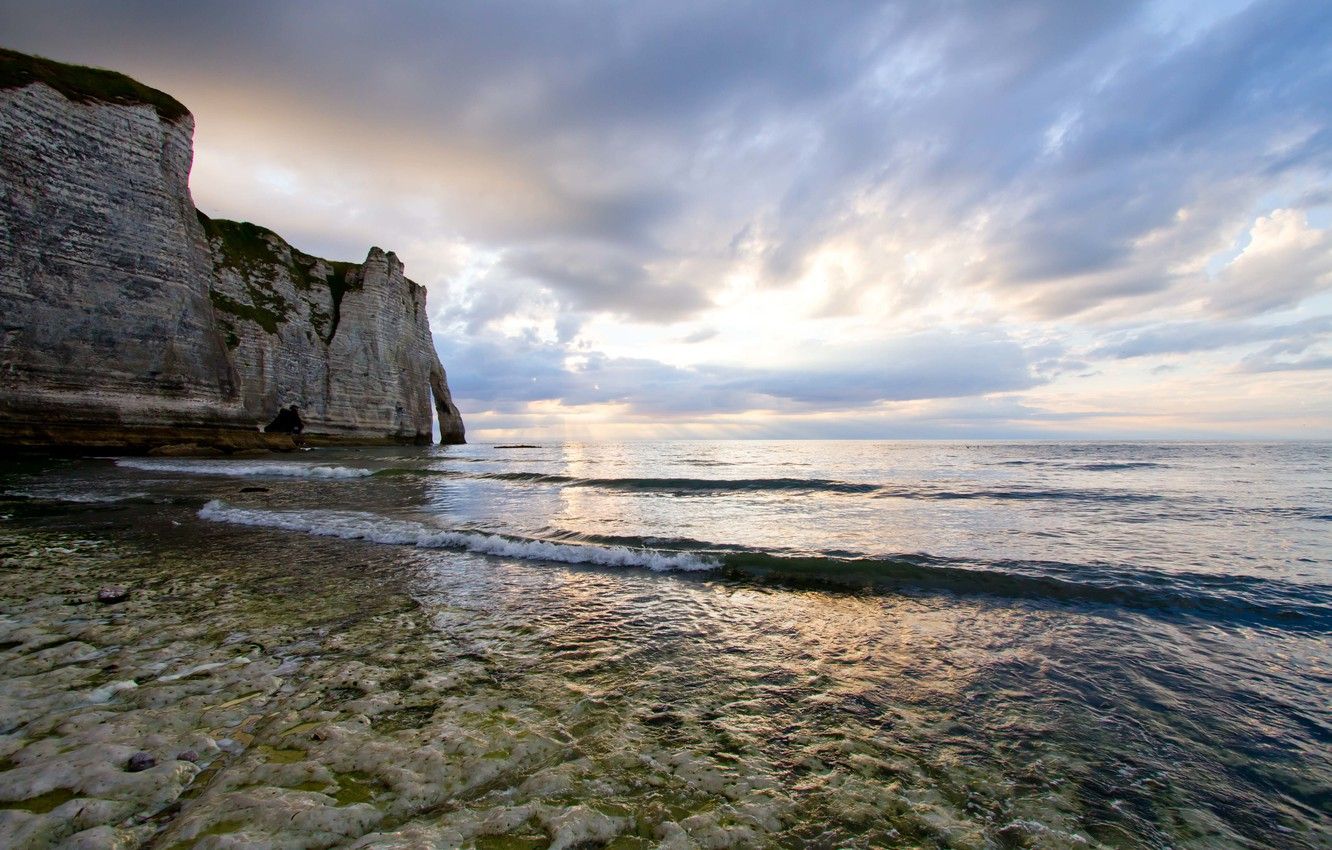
pixel 129 320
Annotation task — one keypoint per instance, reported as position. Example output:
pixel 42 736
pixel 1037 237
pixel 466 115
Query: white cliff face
pixel 128 319
pixel 348 344
pixel 105 316
pixel 383 338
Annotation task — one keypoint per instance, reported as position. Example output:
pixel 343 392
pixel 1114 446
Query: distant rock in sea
pixel 129 320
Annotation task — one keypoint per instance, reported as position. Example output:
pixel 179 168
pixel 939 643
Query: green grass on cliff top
pixel 85 85
pixel 248 247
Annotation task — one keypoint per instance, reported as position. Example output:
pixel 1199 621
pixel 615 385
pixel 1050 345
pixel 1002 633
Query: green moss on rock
pixel 264 318
pixel 85 85
pixel 245 247
pixel 42 803
pixel 256 254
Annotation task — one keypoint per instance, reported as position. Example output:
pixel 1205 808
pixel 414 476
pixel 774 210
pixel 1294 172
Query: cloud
pixel 1285 262
pixel 1296 353
pixel 593 277
pixel 1190 337
pixel 1260 364
pixel 932 365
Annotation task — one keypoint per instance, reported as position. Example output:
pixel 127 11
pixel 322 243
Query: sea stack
pixel 131 321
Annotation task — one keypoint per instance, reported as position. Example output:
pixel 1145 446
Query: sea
pixel 680 644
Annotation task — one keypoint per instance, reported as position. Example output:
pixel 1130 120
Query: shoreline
pixel 171 441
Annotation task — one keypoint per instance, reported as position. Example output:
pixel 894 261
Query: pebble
pixel 188 755
pixel 112 595
pixel 141 761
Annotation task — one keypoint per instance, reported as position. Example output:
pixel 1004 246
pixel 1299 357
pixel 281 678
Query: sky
pixel 671 219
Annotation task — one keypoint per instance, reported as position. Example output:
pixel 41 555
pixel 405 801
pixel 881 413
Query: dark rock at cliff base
pixel 129 321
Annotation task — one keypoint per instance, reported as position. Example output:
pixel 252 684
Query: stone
pixel 112 595
pixel 189 755
pixel 131 321
pixel 140 762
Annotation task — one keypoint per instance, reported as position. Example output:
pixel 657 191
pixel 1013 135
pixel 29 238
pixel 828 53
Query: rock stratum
pixel 130 320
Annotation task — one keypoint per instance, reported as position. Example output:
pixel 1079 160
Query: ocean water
pixel 713 644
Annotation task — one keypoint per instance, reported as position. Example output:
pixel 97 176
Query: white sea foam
pixel 359 525
pixel 243 469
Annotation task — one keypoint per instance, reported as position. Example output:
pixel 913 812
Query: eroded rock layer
pixel 128 320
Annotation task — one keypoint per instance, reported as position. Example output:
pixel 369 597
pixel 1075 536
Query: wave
pixel 1266 600
pixel 1119 465
pixel 1099 466
pixel 690 485
pixel 667 486
pixel 687 486
pixel 358 525
pixel 1019 494
pixel 1255 599
pixel 245 469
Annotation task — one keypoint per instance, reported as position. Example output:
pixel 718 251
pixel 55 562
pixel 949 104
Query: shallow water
pixel 1066 645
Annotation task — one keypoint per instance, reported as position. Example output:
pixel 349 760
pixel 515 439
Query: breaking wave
pixel 359 525
pixel 1198 594
pixel 244 469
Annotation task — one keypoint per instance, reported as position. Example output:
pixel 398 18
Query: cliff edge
pixel 129 320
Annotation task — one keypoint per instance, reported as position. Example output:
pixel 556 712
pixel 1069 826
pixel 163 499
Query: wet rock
pixel 1029 833
pixel 112 595
pixel 189 756
pixel 140 761
pixel 663 718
